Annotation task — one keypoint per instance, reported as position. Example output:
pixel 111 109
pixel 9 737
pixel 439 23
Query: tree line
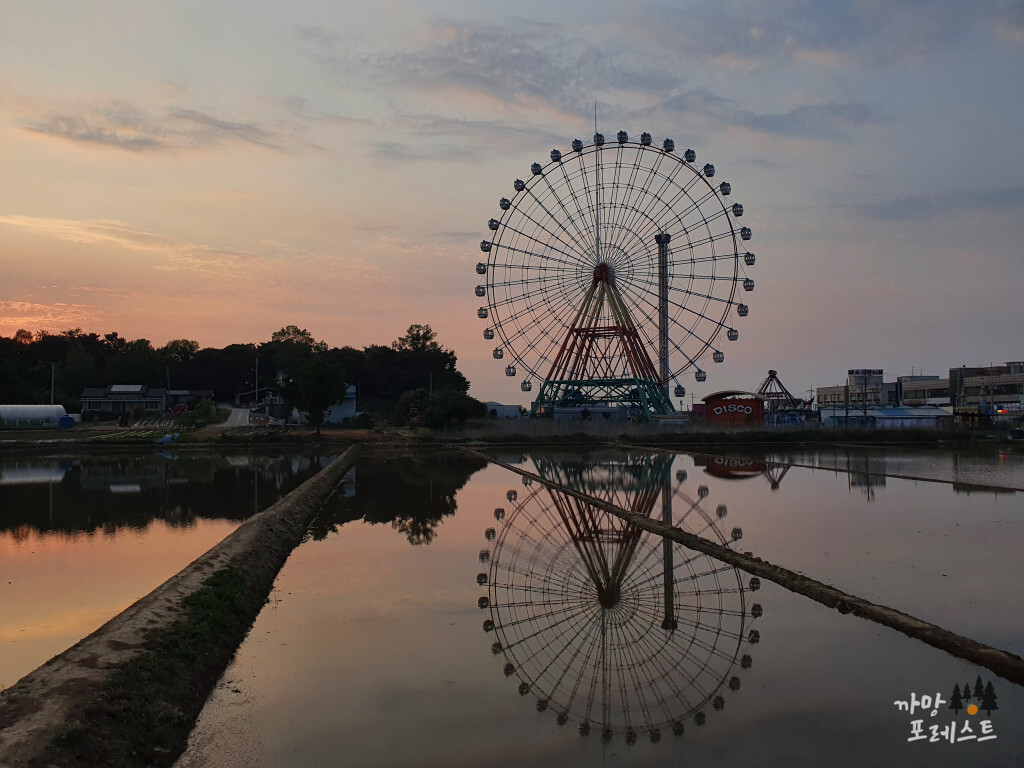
pixel 414 377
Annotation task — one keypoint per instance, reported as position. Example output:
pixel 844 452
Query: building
pixel 602 412
pixel 124 398
pixel 734 407
pixel 34 416
pixel 927 416
pixel 864 388
pixel 914 391
pixel 343 411
pixel 503 411
pixel 994 389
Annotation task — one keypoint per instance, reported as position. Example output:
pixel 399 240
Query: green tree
pixel 448 406
pixel 179 350
pixel 136 363
pixel 321 384
pixel 419 338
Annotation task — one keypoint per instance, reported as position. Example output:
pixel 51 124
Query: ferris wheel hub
pixel 609 596
pixel 602 273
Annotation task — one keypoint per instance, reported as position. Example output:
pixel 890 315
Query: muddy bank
pixel 129 693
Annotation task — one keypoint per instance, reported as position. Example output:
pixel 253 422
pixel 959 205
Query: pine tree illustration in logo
pixel 979 689
pixel 967 692
pixel 955 702
pixel 988 699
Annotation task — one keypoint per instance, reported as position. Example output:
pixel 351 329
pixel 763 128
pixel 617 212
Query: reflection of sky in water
pixel 371 651
pixel 82 538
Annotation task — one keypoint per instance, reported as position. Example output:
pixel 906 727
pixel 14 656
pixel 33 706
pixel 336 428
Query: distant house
pixel 124 398
pixel 504 411
pixel 343 411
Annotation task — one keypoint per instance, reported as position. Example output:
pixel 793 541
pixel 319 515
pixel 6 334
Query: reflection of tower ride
pixel 602 621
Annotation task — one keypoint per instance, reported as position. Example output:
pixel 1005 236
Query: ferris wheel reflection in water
pixel 604 623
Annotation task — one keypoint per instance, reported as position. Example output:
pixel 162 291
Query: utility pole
pixel 257 403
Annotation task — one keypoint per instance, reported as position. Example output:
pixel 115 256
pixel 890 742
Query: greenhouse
pixel 34 416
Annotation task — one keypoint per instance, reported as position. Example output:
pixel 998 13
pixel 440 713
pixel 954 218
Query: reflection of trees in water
pixel 603 622
pixel 411 492
pixel 105 494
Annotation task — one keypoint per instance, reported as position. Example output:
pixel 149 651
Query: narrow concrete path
pixel 57 698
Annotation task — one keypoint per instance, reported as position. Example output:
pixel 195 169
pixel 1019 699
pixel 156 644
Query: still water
pixel 447 612
pixel 83 537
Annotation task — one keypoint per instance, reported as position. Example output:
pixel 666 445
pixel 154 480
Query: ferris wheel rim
pixel 532 353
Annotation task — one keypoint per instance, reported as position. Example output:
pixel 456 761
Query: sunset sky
pixel 217 170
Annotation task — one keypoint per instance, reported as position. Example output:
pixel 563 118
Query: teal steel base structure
pixel 644 398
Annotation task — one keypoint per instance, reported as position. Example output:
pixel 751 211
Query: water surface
pixel 448 614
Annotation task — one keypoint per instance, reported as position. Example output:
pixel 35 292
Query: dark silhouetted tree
pixel 179 350
pixel 321 384
pixel 955 702
pixel 988 699
pixel 967 692
pixel 979 689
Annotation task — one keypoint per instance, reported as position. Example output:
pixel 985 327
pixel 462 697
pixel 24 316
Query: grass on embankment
pixel 144 714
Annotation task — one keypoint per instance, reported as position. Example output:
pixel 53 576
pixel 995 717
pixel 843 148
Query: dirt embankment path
pixel 129 693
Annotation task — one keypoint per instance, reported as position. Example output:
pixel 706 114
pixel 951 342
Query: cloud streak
pixel 123 126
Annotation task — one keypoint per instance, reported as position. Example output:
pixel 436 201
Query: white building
pixel 33 416
pixel 503 411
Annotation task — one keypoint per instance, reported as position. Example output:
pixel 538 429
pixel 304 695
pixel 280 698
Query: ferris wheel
pixel 620 630
pixel 611 272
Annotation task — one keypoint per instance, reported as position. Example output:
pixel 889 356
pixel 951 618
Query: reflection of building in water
pixel 742 468
pixel 135 477
pixel 32 473
pixel 603 622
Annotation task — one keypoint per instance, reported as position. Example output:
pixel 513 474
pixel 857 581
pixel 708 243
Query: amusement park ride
pixel 612 271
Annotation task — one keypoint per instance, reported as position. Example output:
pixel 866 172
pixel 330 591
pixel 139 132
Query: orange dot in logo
pixel 972 709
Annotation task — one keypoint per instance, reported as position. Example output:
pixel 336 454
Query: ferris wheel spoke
pixel 654 198
pixel 570 248
pixel 581 236
pixel 547 246
pixel 577 240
